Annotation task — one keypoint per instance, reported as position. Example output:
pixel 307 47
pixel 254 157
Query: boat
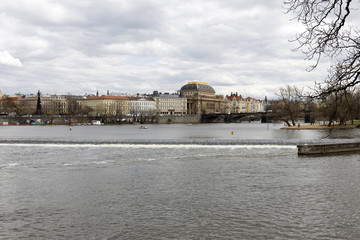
pixel 143 127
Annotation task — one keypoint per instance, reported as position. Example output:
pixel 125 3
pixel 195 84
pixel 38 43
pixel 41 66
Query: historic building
pixel 141 105
pixel 169 104
pixel 49 104
pixel 238 104
pixel 235 104
pixel 201 98
pixel 54 104
pixel 109 106
pixel 27 104
pixel 192 99
pixel 254 105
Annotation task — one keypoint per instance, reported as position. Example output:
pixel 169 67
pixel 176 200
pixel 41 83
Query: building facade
pixel 27 104
pixel 201 98
pixel 110 106
pixel 170 104
pixel 235 104
pixel 50 104
pixel 254 105
pixel 54 105
pixel 141 105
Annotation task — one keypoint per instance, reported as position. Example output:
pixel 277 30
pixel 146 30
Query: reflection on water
pixel 174 191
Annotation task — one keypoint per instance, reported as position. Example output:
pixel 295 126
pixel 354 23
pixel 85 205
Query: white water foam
pixel 172 143
pixel 9 165
pixel 86 163
pixel 178 146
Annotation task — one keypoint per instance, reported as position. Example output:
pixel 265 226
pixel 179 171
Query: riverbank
pixel 320 127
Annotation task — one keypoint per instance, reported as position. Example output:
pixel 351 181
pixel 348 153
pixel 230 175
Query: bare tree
pixel 288 108
pixel 328 109
pixel 73 106
pixel 340 106
pixel 86 110
pixel 9 105
pixel 327 33
pixel 119 112
pixel 140 115
pixel 355 112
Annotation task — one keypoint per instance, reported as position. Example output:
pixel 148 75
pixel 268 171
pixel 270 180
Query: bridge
pixel 236 117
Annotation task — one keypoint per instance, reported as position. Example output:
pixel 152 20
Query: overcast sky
pixel 138 46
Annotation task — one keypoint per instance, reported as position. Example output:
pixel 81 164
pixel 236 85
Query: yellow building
pixel 201 98
pixel 107 105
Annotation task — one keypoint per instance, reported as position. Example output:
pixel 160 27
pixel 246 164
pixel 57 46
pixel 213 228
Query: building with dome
pixel 201 98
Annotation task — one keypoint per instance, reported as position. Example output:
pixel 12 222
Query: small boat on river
pixel 143 127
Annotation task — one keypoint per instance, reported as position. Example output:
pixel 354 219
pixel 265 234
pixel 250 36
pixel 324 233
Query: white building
pixel 170 104
pixel 140 105
pixel 254 105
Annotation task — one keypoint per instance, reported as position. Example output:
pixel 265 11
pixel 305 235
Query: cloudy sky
pixel 138 46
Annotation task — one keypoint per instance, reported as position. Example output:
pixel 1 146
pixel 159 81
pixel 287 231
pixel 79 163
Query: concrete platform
pixel 312 149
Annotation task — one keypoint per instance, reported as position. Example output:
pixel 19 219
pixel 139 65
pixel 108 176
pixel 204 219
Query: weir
pixel 313 149
pixel 304 144
pixel 211 142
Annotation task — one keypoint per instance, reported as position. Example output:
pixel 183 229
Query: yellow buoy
pixel 232 132
pixel 70 128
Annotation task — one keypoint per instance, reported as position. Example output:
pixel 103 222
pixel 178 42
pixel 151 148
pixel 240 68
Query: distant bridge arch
pixel 236 117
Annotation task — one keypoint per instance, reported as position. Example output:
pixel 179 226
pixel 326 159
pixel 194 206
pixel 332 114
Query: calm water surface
pixel 119 182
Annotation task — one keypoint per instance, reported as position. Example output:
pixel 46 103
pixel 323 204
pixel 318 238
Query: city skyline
pixel 140 46
pixel 115 94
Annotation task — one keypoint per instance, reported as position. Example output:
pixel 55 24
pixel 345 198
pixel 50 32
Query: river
pixel 201 181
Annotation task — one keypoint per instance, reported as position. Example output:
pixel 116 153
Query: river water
pixel 206 181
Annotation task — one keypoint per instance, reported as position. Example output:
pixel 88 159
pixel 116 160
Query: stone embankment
pixel 313 149
pixel 318 149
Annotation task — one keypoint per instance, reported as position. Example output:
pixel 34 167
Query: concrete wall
pixel 308 149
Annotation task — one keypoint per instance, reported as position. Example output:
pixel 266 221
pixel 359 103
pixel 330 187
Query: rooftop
pixel 200 86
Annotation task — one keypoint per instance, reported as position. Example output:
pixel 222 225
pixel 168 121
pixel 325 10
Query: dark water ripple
pixel 175 189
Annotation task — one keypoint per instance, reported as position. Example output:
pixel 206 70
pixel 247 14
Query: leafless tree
pixel 73 106
pixel 119 112
pixel 142 116
pixel 355 113
pixel 288 108
pixel 328 109
pixel 340 107
pixel 327 33
pixel 86 110
pixel 8 105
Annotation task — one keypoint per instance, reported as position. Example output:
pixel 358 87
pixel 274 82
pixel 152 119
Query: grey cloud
pixel 143 45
